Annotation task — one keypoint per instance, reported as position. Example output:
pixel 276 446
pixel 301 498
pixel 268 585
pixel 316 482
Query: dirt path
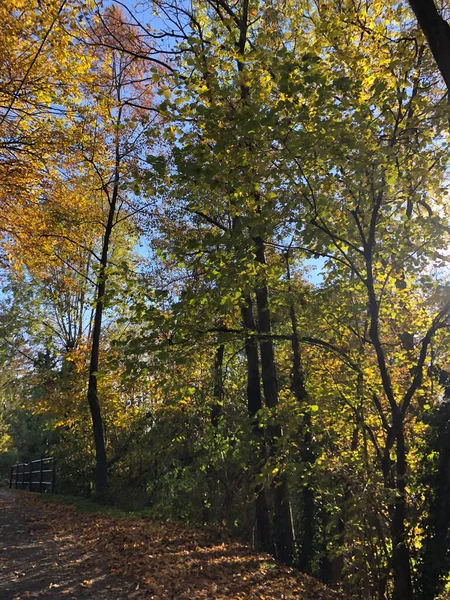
pixel 36 564
pixel 49 549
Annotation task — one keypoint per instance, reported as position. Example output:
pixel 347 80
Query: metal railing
pixel 35 476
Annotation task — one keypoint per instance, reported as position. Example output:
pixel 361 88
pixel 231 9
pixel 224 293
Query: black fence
pixel 35 476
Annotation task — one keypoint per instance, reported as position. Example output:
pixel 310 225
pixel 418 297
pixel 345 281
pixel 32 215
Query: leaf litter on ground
pixel 169 561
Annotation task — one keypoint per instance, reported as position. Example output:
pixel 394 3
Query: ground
pixel 51 550
pixel 40 560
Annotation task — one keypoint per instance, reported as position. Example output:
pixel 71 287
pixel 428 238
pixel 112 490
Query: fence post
pixel 40 475
pixel 53 475
pixel 30 483
pixel 11 476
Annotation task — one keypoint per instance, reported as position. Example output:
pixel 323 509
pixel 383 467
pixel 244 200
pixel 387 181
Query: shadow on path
pixel 36 564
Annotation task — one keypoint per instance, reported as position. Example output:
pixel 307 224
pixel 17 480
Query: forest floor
pixel 50 550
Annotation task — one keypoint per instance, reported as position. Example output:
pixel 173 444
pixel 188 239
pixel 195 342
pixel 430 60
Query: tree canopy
pixel 224 237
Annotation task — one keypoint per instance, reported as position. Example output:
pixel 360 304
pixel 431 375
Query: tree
pixel 41 61
pixel 110 147
pixel 101 140
pixel 380 230
pixel 225 384
pixel 437 32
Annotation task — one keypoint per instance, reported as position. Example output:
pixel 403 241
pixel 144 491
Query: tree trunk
pixel 436 554
pixel 283 529
pixel 254 404
pixel 400 553
pixel 437 31
pixel 337 562
pixel 306 551
pixel 101 468
pixel 218 386
pixel 101 471
pixel 101 474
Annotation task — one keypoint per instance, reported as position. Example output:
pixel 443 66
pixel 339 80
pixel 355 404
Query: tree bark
pixel 306 551
pixel 101 471
pixel 436 555
pixel 101 468
pixel 437 32
pixel 218 386
pixel 400 553
pixel 283 529
pixel 101 474
pixel 254 404
pixel 403 589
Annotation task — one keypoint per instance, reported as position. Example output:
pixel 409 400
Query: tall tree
pixel 111 146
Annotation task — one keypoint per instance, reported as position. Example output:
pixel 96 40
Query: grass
pixel 89 505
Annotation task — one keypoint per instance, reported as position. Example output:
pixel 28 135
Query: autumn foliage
pixel 224 235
